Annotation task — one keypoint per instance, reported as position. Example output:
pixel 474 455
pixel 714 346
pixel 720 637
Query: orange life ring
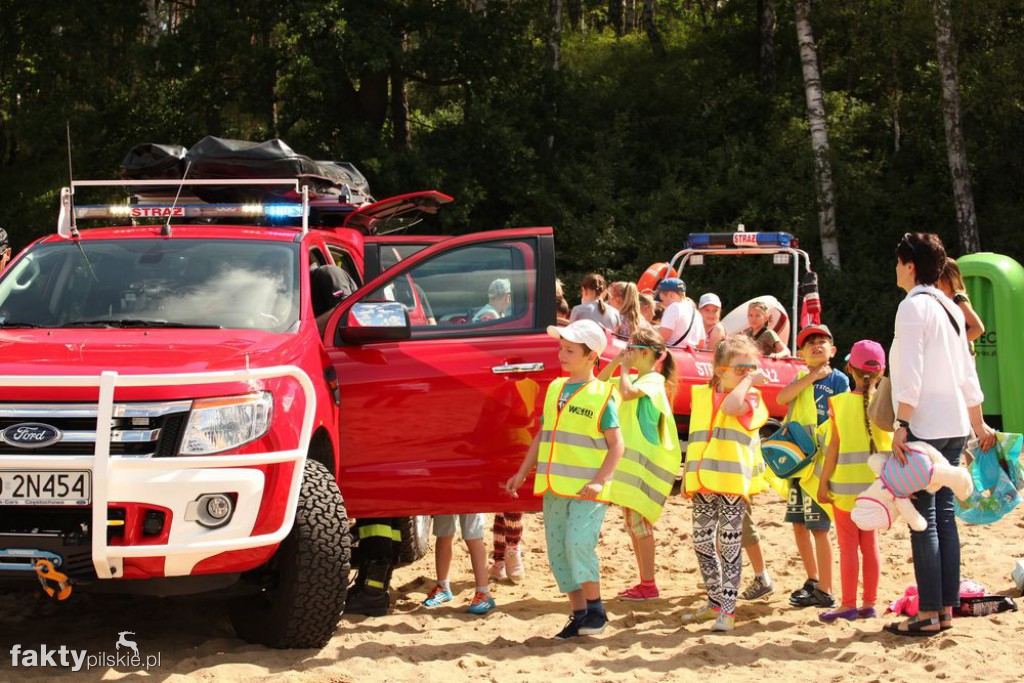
pixel 655 273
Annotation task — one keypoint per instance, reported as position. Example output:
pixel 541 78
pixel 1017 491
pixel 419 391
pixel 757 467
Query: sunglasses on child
pixel 741 369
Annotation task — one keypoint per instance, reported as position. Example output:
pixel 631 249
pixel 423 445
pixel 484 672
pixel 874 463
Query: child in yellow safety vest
pixel 846 474
pixel 807 397
pixel 651 462
pixel 576 453
pixel 723 445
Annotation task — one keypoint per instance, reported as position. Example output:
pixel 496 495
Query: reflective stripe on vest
pixel 852 475
pixel 647 472
pixel 573 447
pixel 720 451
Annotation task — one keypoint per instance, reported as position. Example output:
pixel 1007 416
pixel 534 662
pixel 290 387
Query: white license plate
pixel 45 487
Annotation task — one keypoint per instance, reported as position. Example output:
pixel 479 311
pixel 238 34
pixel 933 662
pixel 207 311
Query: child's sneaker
pixel 497 571
pixel 438 596
pixel 803 592
pixel 816 598
pixel 570 630
pixel 639 592
pixel 705 613
pixel 514 564
pixel 757 589
pixel 724 622
pixel 482 604
pixel 593 624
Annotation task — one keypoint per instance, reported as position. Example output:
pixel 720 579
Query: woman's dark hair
pixel 926 252
pixel 595 283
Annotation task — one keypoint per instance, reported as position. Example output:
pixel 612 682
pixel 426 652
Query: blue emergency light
pixel 727 240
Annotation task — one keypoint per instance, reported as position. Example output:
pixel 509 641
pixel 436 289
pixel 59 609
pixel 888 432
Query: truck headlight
pixel 219 424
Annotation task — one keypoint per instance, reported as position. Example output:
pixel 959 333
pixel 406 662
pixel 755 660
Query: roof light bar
pixel 271 211
pixel 725 240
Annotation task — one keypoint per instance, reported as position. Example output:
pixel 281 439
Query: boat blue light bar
pixel 725 240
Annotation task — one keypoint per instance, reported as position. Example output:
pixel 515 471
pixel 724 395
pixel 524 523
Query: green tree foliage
pixel 648 146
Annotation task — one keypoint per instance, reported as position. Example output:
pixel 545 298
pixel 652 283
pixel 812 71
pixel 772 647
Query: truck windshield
pixel 154 283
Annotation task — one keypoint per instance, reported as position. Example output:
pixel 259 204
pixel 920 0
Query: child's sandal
pixel 945 622
pixel 915 628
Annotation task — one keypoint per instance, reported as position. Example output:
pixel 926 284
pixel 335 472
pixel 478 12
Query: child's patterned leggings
pixel 508 530
pixel 717 532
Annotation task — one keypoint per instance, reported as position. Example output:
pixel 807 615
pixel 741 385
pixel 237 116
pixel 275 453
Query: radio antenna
pixel 71 184
pixel 74 226
pixel 166 230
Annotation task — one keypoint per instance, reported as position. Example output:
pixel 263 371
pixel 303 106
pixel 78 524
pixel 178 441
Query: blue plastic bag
pixel 1009 447
pixel 994 494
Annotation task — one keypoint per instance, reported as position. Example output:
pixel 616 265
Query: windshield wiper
pixel 138 322
pixel 17 323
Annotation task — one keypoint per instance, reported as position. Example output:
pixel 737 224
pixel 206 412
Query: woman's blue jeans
pixel 937 548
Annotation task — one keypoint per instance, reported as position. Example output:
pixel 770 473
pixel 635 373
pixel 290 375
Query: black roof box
pixel 216 158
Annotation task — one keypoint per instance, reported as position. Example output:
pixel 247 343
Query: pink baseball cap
pixel 867 355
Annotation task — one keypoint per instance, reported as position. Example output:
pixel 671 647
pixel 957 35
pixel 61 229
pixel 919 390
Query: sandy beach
pixel 645 641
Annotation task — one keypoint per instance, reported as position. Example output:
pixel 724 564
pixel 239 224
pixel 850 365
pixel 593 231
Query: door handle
pixel 515 368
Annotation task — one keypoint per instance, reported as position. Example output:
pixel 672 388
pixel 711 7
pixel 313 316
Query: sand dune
pixel 772 641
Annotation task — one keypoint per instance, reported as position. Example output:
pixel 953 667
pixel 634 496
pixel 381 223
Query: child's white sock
pixel 483 589
pixel 446 584
pixel 765 579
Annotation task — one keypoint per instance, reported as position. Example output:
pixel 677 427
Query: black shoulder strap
pixel 945 310
pixel 693 316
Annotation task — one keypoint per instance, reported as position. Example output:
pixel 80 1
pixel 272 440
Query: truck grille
pixel 138 430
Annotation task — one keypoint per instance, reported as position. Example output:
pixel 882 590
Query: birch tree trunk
pixel 956 149
pixel 819 134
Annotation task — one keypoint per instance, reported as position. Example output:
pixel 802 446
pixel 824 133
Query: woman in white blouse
pixel 937 399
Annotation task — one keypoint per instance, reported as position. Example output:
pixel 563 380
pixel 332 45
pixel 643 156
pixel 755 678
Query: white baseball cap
pixel 709 298
pixel 582 332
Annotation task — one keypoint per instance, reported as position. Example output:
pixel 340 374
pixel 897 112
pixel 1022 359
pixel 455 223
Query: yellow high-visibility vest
pixel 720 451
pixel 804 412
pixel 647 472
pixel 852 474
pixel 572 445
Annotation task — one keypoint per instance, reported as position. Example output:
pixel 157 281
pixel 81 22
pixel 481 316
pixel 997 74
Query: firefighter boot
pixel 369 595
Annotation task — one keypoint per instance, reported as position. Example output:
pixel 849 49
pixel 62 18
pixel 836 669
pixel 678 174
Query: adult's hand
pixel 899 445
pixel 986 436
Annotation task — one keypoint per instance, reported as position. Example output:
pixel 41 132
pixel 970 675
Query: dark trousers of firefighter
pixel 717 534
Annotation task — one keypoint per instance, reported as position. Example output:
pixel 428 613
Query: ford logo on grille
pixel 31 435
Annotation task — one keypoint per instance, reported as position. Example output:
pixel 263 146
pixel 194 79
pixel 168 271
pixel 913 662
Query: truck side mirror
pixel 375 321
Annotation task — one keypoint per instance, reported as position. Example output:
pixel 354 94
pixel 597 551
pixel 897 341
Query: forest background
pixel 625 124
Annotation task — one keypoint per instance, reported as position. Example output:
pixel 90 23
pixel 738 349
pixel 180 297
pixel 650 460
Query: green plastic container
pixel 995 284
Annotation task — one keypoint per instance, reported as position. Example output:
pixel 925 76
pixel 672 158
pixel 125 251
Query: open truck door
pixel 447 407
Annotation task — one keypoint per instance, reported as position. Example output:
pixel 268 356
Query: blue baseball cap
pixel 672 284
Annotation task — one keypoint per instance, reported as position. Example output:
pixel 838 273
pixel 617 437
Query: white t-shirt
pixel 931 367
pixel 680 317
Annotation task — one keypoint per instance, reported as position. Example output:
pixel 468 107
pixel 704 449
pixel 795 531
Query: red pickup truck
pixel 184 408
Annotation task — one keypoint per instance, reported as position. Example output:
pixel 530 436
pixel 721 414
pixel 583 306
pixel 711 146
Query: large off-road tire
pixel 415 539
pixel 306 581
